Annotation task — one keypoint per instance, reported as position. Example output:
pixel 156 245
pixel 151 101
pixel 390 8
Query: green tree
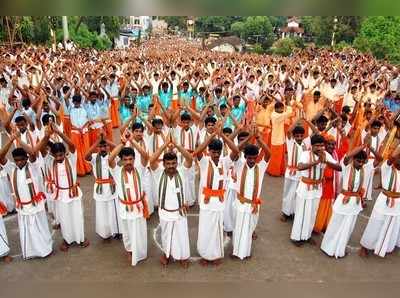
pixel 238 28
pixel 380 36
pixel 175 21
pixel 283 47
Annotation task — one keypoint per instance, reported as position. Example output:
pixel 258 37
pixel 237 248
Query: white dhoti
pixel 71 220
pixel 108 222
pixel 304 218
pixel 245 225
pixel 383 229
pixel 5 194
pixel 289 196
pixel 369 185
pixel 229 212
pixel 134 231
pixel 210 240
pixel 4 246
pixel 175 238
pixel 34 235
pixel 148 189
pixel 52 208
pixel 190 187
pixel 338 234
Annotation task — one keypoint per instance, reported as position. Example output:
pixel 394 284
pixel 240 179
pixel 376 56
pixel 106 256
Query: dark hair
pixel 57 147
pixel 322 119
pixel 19 119
pixel 376 123
pixel 346 109
pixel 77 98
pixel 215 145
pixel 251 150
pixel 227 130
pixel 243 134
pixel 235 97
pixel 210 119
pixel 46 119
pixel 102 143
pixel 298 130
pixel 26 103
pixel 317 139
pixel 361 155
pixel 137 125
pixel 279 105
pixel 126 151
pixel 318 93
pixel 19 152
pixel 223 106
pixel 170 156
pixel 156 121
pixel 186 117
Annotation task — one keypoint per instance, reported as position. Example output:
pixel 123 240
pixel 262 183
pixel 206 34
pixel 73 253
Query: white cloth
pixel 34 235
pixel 4 245
pixel 175 238
pixel 135 238
pixel 71 221
pixel 5 191
pixel 210 239
pixel 338 234
pixel 229 216
pixel 245 225
pixel 108 221
pixel 289 196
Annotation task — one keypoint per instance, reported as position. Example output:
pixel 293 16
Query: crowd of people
pixel 164 126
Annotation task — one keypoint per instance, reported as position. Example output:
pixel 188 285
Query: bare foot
pixel 311 241
pixel 203 262
pixel 164 260
pixel 232 256
pixel 64 246
pixel 254 236
pixel 129 253
pixel 184 263
pixel 363 252
pixel 217 262
pixel 85 243
pixel 283 218
pixel 7 259
pixel 298 243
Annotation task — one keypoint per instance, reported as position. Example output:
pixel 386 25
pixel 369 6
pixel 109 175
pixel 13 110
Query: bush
pixel 299 42
pixel 258 49
pixel 283 47
pixel 341 46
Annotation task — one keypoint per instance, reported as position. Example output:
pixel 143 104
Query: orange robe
pixel 114 112
pixel 328 196
pixel 81 140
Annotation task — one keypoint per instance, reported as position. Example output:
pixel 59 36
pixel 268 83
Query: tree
pixel 283 47
pixel 380 36
pixel 175 21
pixel 238 28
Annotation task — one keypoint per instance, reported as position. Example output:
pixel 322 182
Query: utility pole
pixel 335 20
pixel 65 29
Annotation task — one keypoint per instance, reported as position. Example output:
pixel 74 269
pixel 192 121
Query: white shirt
pixel 106 194
pixel 249 183
pixel 171 193
pixel 137 210
pixel 224 164
pixel 292 145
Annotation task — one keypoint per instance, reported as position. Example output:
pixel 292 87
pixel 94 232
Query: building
pixel 159 27
pixel 138 27
pixel 228 44
pixel 293 28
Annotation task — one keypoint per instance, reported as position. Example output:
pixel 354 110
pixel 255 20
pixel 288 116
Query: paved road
pixel 275 258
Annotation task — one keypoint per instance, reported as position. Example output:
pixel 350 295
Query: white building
pixel 293 28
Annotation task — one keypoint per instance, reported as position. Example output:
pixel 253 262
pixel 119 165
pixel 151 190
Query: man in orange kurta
pixel 276 166
pixel 328 189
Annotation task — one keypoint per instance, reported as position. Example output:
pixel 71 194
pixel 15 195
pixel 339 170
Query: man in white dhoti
pixel 170 182
pixel 382 233
pixel 311 166
pixel 27 188
pixel 348 204
pixel 66 191
pixel 214 172
pixel 185 135
pixel 250 175
pixel 4 246
pixel 296 144
pixel 375 138
pixel 133 202
pixel 108 222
